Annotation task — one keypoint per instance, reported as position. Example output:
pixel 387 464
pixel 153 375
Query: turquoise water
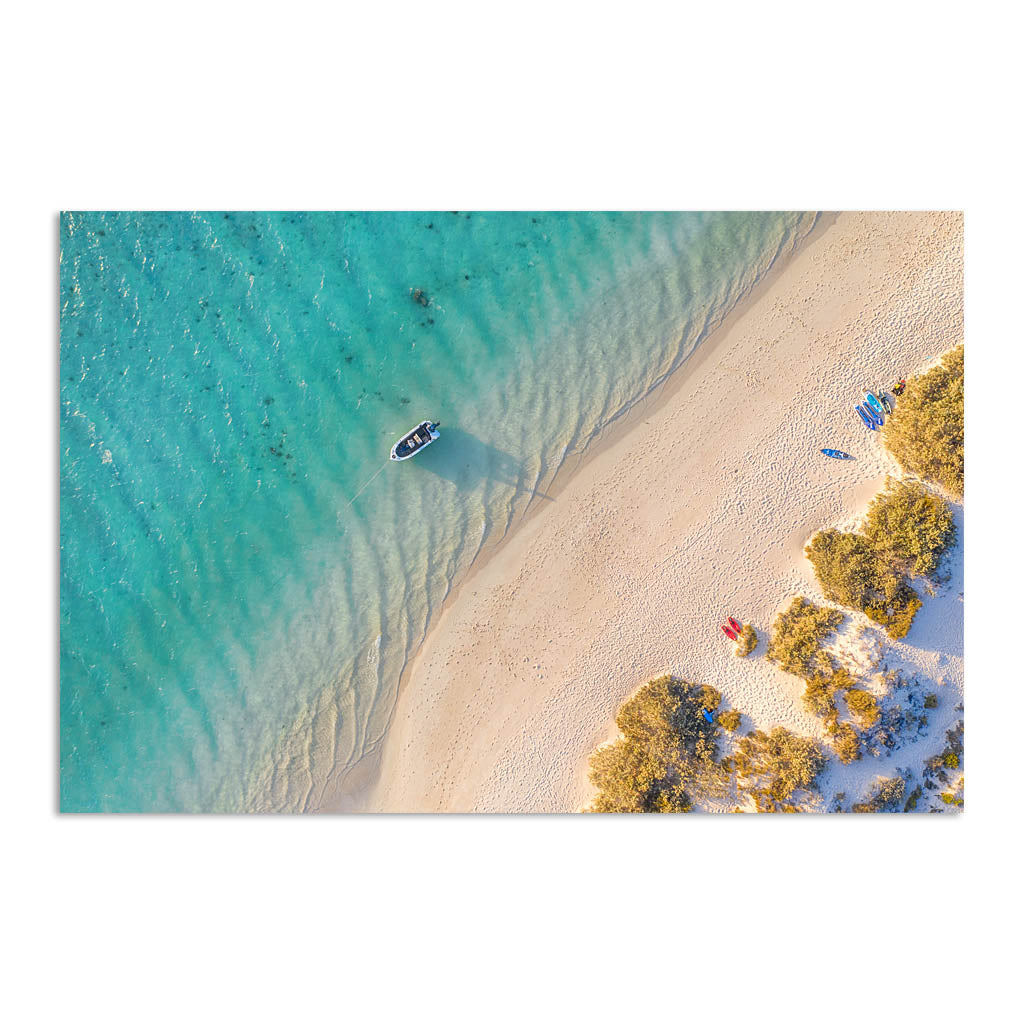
pixel 233 624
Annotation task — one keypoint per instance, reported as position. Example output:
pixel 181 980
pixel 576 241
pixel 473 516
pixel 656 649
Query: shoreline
pixel 348 793
pixel 477 727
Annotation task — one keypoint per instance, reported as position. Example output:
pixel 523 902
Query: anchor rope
pixel 367 484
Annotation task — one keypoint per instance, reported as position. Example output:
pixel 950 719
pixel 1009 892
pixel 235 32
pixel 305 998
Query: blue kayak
pixel 869 422
pixel 874 406
pixel 875 418
pixel 834 453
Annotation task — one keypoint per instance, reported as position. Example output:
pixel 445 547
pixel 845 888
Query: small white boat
pixel 415 441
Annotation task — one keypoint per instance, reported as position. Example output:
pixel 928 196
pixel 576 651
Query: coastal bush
pixel 748 641
pixel 817 696
pixel 729 720
pixel 906 531
pixel 667 752
pixel 710 698
pixel 897 614
pixel 864 707
pixel 931 701
pixel 909 527
pixel 926 430
pixel 842 680
pixel 846 566
pixel 776 767
pixel 885 795
pixel 797 635
pixel 847 743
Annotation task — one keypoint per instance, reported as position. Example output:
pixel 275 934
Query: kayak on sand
pixel 868 421
pixel 874 406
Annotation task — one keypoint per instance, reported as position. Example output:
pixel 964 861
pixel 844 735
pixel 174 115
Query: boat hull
pixel 414 442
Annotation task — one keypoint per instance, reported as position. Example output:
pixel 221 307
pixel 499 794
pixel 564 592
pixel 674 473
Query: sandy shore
pixel 699 511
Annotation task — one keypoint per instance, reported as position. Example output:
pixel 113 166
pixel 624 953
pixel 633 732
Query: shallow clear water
pixel 233 624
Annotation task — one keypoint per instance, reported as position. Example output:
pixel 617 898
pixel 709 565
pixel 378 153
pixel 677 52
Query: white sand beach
pixel 699 510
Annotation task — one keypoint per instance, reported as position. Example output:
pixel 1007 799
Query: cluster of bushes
pixel 796 645
pixel 906 531
pixel 819 696
pixel 667 752
pixel 926 431
pixel 777 768
pixel 667 755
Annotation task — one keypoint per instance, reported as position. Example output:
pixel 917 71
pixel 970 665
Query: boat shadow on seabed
pixel 466 461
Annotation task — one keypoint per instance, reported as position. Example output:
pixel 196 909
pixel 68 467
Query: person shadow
pixel 466 461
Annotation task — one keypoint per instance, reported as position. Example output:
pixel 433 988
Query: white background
pixel 528 105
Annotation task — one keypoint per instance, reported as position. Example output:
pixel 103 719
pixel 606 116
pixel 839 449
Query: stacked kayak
pixel 866 417
pixel 874 407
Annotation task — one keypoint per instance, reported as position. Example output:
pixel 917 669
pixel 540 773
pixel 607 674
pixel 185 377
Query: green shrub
pixel 710 698
pixel 926 429
pixel 729 720
pixel 797 635
pixel 747 642
pixel 950 759
pixel 912 799
pixel 774 768
pixel 885 795
pixel 842 680
pixel 864 706
pixel 931 701
pixel 847 568
pixel 847 743
pixel 906 530
pixel 667 751
pixel 897 614
pixel 817 696
pixel 909 527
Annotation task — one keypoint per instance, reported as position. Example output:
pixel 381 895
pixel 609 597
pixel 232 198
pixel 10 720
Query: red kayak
pixel 729 633
pixel 735 625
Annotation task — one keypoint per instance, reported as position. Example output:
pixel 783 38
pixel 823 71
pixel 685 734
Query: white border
pixel 526 106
